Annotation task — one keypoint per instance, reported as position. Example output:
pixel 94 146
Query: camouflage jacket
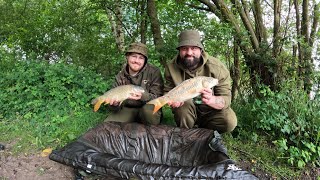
pixel 175 73
pixel 149 78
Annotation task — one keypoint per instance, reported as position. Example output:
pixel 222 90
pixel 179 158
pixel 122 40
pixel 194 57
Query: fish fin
pixel 106 101
pixel 156 108
pixel 97 105
pixel 158 103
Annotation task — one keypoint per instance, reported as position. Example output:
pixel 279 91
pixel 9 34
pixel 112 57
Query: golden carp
pixel 188 89
pixel 119 93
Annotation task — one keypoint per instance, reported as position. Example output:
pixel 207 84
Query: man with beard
pixel 137 71
pixel 211 109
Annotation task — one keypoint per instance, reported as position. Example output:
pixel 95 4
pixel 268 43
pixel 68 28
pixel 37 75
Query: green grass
pixel 28 133
pixel 261 154
pixel 257 150
pixel 15 133
pixel 25 135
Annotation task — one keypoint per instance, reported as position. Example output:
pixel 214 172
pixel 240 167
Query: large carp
pixel 119 93
pixel 188 89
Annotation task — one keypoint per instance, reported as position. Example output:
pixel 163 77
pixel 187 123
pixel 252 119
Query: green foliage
pixel 290 119
pixel 50 100
pixel 33 86
pixel 168 118
pixel 218 39
pixel 260 154
pixel 76 31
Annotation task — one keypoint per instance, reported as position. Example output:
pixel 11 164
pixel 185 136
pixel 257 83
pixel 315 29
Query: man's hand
pixel 114 102
pixel 135 96
pixel 216 102
pixel 175 104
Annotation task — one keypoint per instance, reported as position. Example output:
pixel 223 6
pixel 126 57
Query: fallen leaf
pixel 46 152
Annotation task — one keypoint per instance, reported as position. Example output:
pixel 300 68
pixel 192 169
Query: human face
pixel 135 62
pixel 190 56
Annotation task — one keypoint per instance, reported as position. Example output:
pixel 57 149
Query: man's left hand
pixel 135 96
pixel 216 102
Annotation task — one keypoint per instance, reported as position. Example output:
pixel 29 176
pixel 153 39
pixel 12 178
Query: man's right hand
pixel 175 104
pixel 114 102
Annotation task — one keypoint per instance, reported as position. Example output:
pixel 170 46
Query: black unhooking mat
pixel 132 150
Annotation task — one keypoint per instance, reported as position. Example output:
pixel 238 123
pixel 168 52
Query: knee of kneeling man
pixel 230 127
pixel 230 124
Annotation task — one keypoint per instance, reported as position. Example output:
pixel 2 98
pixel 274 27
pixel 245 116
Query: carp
pixel 188 89
pixel 119 93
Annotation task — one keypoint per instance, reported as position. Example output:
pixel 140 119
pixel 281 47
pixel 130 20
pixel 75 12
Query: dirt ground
pixel 35 167
pixel 32 167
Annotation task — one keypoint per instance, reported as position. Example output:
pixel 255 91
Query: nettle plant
pixel 293 120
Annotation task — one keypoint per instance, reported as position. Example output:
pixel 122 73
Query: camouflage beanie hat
pixel 190 38
pixel 138 47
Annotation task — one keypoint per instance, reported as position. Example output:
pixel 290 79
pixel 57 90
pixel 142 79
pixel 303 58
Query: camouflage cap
pixel 138 47
pixel 190 38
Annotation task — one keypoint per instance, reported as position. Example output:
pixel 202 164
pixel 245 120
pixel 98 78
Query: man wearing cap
pixel 212 110
pixel 137 71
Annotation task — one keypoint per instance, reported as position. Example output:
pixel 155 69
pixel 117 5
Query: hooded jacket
pixel 175 73
pixel 149 78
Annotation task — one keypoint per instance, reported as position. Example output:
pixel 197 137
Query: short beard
pixel 190 64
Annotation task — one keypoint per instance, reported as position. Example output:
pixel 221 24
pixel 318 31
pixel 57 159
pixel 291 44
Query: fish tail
pixel 97 105
pixel 94 101
pixel 158 103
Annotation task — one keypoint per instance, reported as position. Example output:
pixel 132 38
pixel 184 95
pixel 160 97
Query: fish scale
pixel 188 89
pixel 119 93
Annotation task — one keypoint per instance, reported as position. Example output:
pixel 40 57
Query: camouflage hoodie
pixel 175 73
pixel 149 78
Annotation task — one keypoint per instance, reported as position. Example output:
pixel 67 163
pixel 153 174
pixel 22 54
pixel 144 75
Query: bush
pixel 50 100
pixel 290 118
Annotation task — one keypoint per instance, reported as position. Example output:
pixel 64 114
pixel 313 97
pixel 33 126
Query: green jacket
pixel 175 73
pixel 149 78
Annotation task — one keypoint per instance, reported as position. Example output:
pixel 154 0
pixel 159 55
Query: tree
pixel 115 18
pixel 262 52
pixel 307 38
pixel 156 30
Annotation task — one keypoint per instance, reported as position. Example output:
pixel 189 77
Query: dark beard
pixel 190 64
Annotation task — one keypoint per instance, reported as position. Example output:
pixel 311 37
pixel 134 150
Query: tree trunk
pixel 315 23
pixel 309 39
pixel 156 31
pixel 235 75
pixel 261 57
pixel 306 50
pixel 115 19
pixel 143 22
pixel 298 29
pixel 254 55
pixel 276 27
pixel 260 28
